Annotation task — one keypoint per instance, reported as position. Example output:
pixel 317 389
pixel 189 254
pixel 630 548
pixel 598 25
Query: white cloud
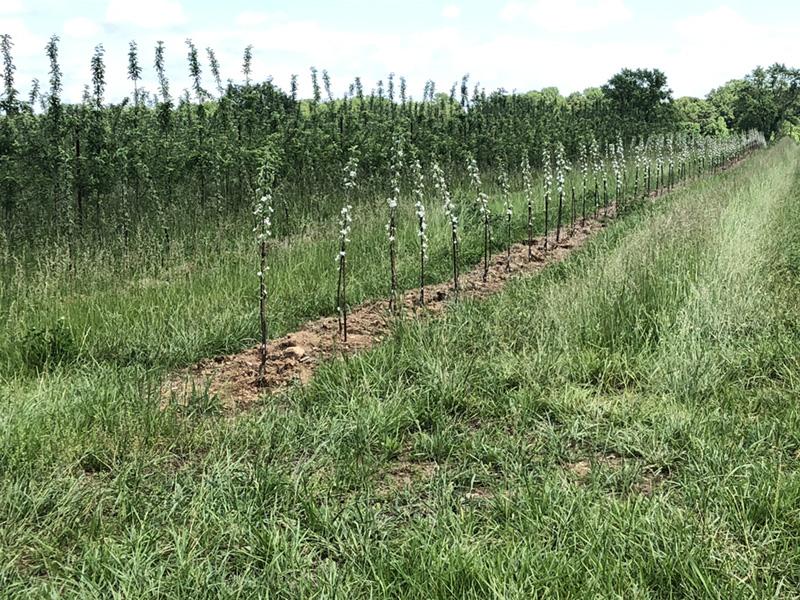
pixel 451 11
pixel 713 47
pixel 11 7
pixel 150 14
pixel 568 16
pixel 697 52
pixel 251 18
pixel 81 27
pixel 26 42
pixel 722 22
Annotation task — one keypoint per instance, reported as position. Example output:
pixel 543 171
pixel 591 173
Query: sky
pixel 512 44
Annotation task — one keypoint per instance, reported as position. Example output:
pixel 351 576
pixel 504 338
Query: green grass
pixel 625 424
pixel 127 310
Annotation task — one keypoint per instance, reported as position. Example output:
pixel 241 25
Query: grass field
pixel 624 424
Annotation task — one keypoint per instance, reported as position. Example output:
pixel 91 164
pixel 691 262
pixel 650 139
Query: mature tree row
pixel 767 100
pixel 159 161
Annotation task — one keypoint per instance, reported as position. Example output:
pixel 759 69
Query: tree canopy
pixel 766 99
pixel 642 95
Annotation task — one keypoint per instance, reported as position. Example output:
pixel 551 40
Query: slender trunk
pixel 486 242
pixel 393 261
pixel 530 231
pixel 455 261
pixel 78 180
pixel 572 216
pixel 546 217
pixel 421 262
pixel 262 310
pixel 583 203
pixel 508 242
pixel 560 208
pixel 344 297
pixel 340 299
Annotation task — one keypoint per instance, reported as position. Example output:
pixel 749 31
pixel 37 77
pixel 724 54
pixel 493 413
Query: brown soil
pixel 293 358
pixel 650 479
pixel 404 474
pixel 583 468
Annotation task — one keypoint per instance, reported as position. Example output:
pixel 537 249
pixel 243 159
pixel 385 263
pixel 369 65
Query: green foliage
pixel 791 130
pixel 766 99
pixel 639 96
pixel 94 171
pixel 699 117
pixel 47 347
pixel 624 424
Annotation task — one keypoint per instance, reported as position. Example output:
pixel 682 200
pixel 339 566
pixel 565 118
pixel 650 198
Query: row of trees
pixel 163 163
pixel 571 195
pixel 768 99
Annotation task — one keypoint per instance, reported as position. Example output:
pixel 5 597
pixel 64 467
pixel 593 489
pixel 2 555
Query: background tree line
pixel 170 163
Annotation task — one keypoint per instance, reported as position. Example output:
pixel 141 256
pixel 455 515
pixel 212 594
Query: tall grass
pixel 625 424
pixel 203 299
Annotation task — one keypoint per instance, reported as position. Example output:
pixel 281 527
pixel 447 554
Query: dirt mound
pixel 294 357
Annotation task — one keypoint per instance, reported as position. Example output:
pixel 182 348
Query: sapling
pixel 440 184
pixel 584 174
pixel 247 64
pixel 620 174
pixel 508 210
pixel 195 72
pixel 547 184
pixel 671 165
pixel 263 229
pixel 161 217
pixel 163 82
pixel 637 163
pixel 688 157
pixel 126 216
pixel 134 71
pixel 615 167
pixel 561 169
pixel 597 168
pixel 422 223
pixel 700 156
pixel 391 225
pixel 572 213
pixel 9 104
pixel 215 70
pixel 683 145
pixel 345 226
pixel 527 182
pixel 482 202
pixel 604 173
pixel 621 162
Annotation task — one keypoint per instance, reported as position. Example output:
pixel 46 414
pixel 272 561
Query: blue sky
pixel 514 44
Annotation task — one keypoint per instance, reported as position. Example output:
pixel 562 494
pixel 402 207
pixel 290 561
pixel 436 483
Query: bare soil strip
pixel 293 358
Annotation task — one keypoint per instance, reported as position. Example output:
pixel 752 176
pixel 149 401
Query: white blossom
pixel 419 206
pixel 440 184
pixel 345 226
